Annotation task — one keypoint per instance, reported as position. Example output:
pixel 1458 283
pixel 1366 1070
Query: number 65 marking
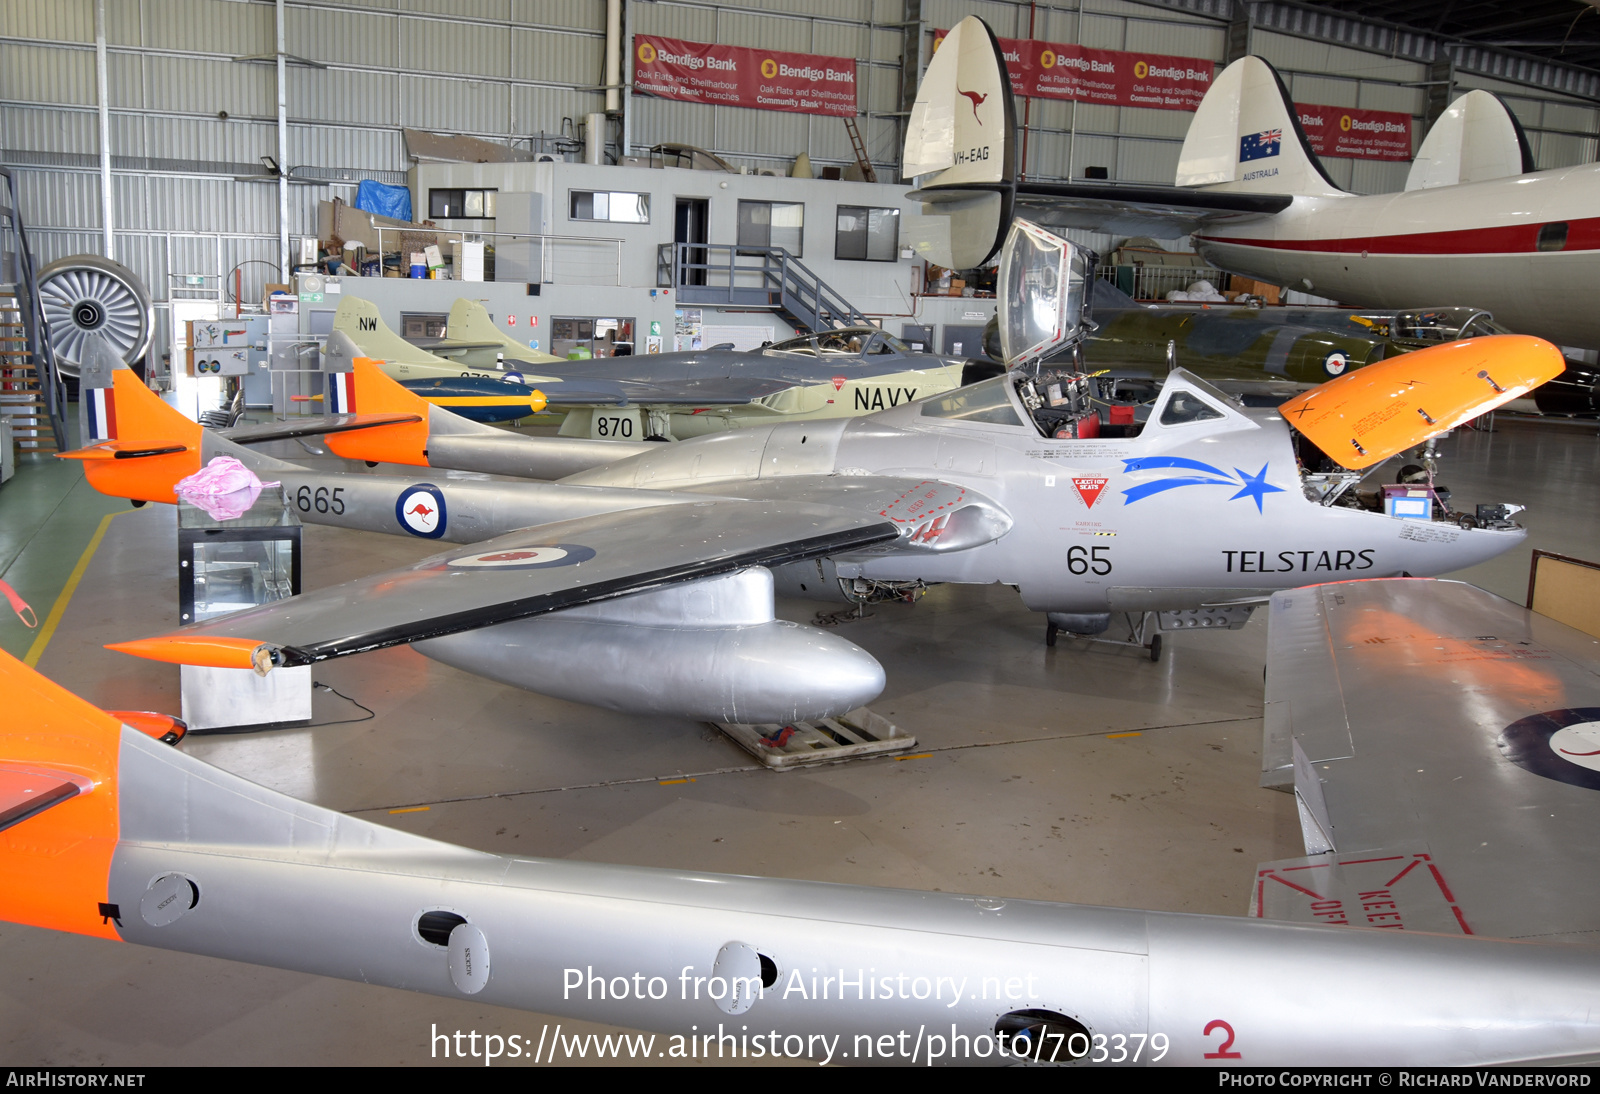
pixel 1222 1052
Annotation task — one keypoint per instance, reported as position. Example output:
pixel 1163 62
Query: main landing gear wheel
pixel 1155 648
pixel 86 294
pixel 1050 632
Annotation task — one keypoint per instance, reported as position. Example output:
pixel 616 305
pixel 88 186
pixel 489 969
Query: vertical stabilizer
pixel 470 322
pixel 1246 137
pixel 962 134
pixel 359 320
pixel 58 804
pixel 1477 139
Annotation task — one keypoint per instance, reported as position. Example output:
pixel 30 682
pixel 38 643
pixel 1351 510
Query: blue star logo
pixel 1255 486
pixel 1250 486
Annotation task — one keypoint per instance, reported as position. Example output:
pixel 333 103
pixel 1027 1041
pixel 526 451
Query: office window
pixel 772 224
pixel 617 207
pixel 867 235
pixel 461 204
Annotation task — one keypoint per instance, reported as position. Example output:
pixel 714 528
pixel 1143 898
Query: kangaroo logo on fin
pixel 977 101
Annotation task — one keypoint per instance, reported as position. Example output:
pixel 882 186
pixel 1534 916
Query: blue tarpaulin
pixel 386 201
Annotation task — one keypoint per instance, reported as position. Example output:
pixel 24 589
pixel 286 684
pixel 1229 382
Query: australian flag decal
pixel 1258 146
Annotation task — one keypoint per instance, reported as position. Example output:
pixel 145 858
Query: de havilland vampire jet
pixel 646 583
pixel 109 832
pixel 1475 225
pixel 830 374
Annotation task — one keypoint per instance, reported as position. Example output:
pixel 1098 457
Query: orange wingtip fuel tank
pixel 154 447
pixel 375 393
pixel 55 861
pixel 210 652
pixel 1364 417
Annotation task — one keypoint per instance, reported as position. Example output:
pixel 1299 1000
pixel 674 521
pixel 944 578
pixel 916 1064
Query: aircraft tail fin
pixel 1246 137
pixel 360 321
pixel 58 789
pixel 1476 139
pixel 135 445
pixel 962 134
pixel 356 385
pixel 470 322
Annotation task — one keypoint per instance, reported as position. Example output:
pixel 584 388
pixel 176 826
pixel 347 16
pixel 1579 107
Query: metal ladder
pixel 860 148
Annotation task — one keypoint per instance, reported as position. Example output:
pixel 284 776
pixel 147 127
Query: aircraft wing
pixel 1444 746
pixel 529 572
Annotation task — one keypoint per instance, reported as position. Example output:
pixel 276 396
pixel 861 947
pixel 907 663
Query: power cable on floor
pixel 221 730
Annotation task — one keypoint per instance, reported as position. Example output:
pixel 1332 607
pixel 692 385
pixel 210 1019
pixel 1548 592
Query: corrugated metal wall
pixel 191 116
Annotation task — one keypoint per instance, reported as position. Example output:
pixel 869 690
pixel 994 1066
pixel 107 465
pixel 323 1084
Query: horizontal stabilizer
pixel 1166 212
pixel 312 426
pixel 1477 139
pixel 124 450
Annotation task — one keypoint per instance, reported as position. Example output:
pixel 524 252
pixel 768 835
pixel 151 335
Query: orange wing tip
pixel 208 652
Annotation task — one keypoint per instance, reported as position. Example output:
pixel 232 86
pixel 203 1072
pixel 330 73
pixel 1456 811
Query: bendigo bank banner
pixel 1105 77
pixel 796 83
pixel 1356 134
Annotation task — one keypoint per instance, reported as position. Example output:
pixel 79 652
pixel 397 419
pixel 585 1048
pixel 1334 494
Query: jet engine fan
pixel 86 294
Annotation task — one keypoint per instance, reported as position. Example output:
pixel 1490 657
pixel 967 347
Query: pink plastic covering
pixel 224 488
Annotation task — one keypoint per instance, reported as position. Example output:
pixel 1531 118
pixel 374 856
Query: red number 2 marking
pixel 1222 1052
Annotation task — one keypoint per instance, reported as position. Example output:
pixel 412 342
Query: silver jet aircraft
pixel 646 583
pixel 125 839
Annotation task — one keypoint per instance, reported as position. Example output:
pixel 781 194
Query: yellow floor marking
pixel 1114 736
pixel 674 782
pixel 918 756
pixel 411 809
pixel 59 609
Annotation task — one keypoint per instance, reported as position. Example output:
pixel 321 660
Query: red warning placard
pixel 762 79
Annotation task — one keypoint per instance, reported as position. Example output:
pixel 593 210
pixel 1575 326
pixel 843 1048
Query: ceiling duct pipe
pixel 613 74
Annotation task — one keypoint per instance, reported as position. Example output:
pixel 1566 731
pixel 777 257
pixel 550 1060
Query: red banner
pixel 763 79
pixel 1356 134
pixel 1106 77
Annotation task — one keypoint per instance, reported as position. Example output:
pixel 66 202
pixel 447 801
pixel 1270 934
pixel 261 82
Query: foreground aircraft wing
pixel 1444 745
pixel 525 573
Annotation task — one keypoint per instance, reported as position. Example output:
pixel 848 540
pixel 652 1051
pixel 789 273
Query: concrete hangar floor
pixel 1082 773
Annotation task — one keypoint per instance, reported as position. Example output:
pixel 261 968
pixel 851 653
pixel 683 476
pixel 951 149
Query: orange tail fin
pixel 58 804
pixel 150 446
pixel 366 390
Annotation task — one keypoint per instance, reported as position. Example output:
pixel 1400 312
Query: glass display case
pixel 225 566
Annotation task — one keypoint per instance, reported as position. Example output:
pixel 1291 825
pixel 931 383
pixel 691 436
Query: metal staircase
pixel 754 277
pixel 32 395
